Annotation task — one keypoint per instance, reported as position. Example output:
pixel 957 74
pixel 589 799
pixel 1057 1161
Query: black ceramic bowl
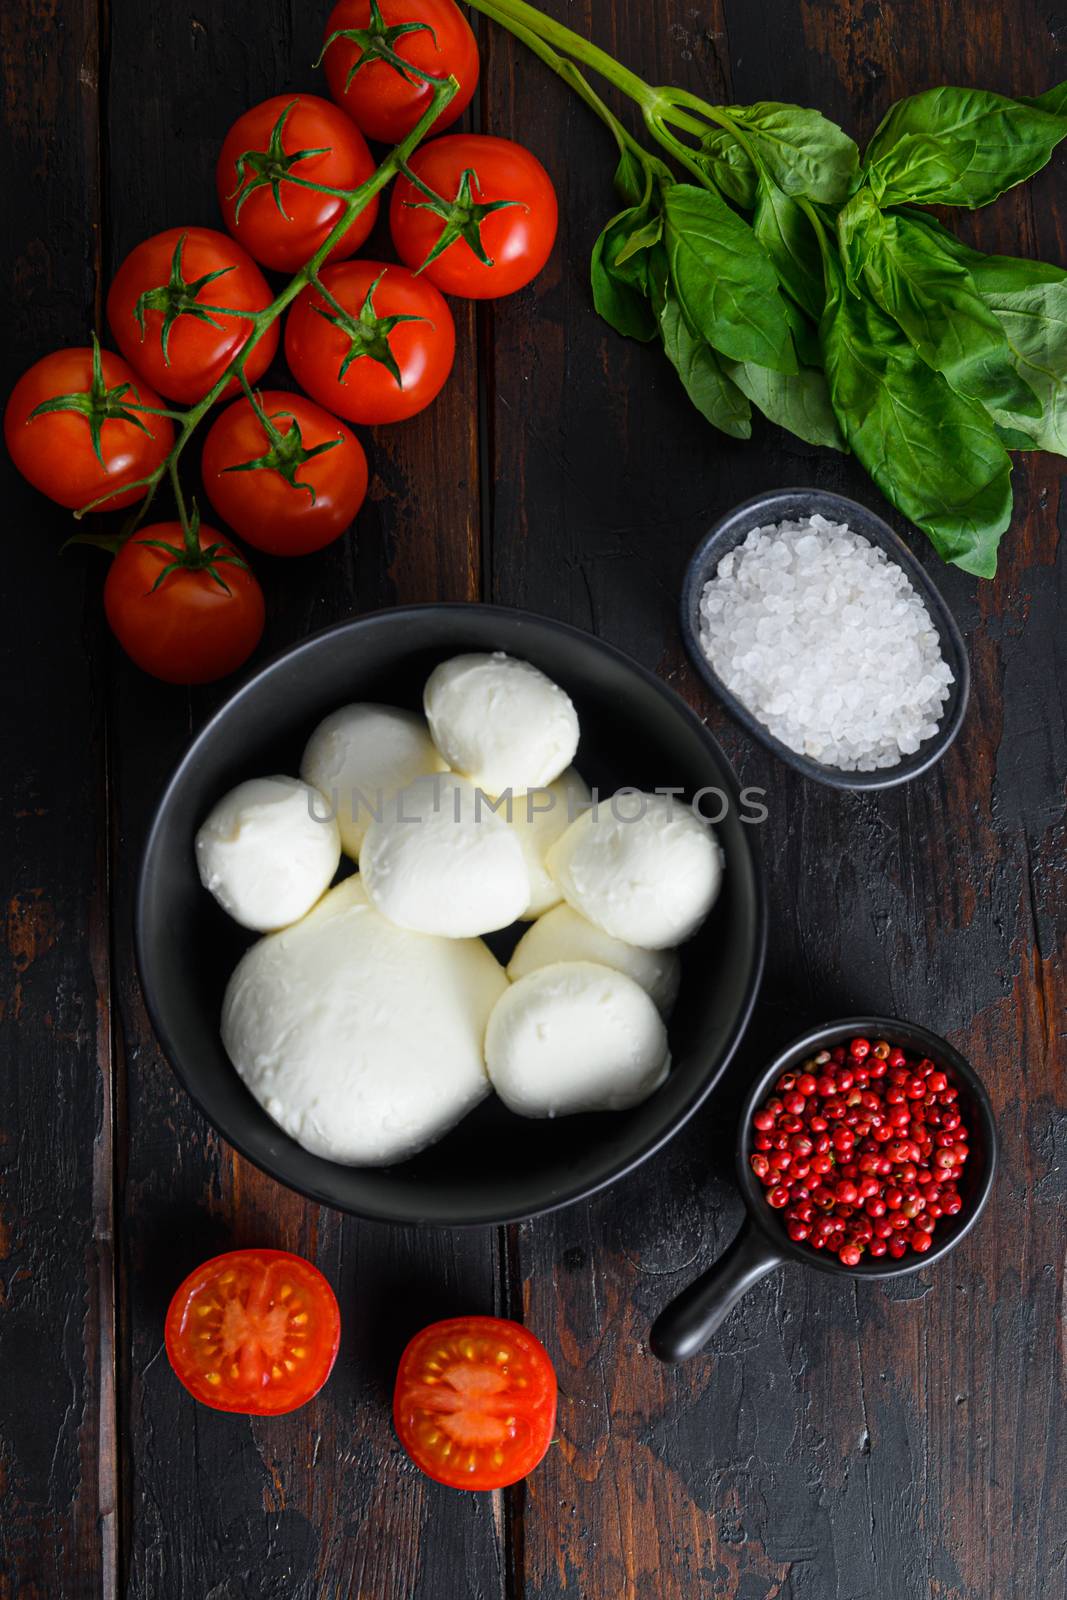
pixel 688 1322
pixel 791 505
pixel 494 1167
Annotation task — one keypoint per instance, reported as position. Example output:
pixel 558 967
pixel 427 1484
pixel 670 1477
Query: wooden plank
pixel 323 1503
pixel 836 1443
pixel 57 1449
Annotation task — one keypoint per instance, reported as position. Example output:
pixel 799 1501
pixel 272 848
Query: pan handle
pixel 685 1325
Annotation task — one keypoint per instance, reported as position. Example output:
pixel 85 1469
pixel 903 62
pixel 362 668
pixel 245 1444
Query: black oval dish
pixel 494 1167
pixel 684 1327
pixel 792 505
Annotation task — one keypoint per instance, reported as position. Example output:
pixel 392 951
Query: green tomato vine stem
pixel 189 420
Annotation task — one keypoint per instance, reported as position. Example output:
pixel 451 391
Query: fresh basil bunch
pixel 844 312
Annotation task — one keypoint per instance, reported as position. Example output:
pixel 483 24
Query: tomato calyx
pixel 97 404
pixel 177 298
pixel 256 169
pixel 287 453
pixel 368 333
pixel 377 42
pixel 463 215
pixel 191 558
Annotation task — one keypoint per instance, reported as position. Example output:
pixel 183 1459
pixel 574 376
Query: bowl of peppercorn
pixel 867 1147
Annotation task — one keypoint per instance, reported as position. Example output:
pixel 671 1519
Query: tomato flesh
pixel 518 239
pixel 475 1402
pixel 55 452
pixel 381 100
pixel 422 343
pixel 284 233
pixel 261 504
pixel 189 629
pixel 200 345
pixel 254 1331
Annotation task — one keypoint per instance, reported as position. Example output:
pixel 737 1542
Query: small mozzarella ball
pixel 363 1042
pixel 563 935
pixel 442 861
pixel 359 756
pixel 500 722
pixel 642 867
pixel 540 817
pixel 268 851
pixel 575 1036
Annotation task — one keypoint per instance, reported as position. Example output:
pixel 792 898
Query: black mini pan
pixel 684 1327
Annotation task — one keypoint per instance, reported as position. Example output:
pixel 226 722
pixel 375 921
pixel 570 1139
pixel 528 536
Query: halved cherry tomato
pixel 166 310
pixel 475 1402
pixel 280 223
pixel 369 49
pixel 255 1331
pixel 88 436
pixel 382 352
pixel 183 618
pixel 288 485
pixel 483 222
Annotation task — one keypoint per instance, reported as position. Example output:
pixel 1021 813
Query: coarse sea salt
pixel 825 640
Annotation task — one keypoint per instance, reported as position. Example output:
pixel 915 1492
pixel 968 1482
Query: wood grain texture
pixel 58 1464
pixel 838 1442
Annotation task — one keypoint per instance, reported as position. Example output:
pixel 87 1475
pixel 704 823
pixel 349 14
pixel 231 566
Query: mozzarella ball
pixel 359 756
pixel 363 1042
pixel 562 935
pixel 268 851
pixel 500 722
pixel 539 817
pixel 643 868
pixel 575 1036
pixel 441 861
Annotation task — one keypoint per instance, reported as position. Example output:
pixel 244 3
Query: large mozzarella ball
pixel 575 1036
pixel 442 861
pixel 563 935
pixel 642 867
pixel 540 817
pixel 359 756
pixel 363 1042
pixel 500 722
pixel 267 851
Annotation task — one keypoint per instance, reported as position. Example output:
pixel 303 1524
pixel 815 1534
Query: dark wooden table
pixel 838 1442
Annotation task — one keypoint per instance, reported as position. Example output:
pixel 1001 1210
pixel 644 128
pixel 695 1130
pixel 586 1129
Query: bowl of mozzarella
pixel 451 915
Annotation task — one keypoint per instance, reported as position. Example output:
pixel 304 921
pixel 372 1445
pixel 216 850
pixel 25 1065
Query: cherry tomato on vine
pixel 186 616
pixel 475 1402
pixel 492 225
pixel 370 47
pixel 291 137
pixel 287 486
pixel 254 1331
pixel 381 352
pixel 73 429
pixel 167 311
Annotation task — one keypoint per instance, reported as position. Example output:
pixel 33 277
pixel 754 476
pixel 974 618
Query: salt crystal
pixel 826 641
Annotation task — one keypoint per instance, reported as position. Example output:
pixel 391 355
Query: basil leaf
pixel 989 274
pixel 797 401
pixel 642 238
pixel 1034 320
pixel 968 146
pixel 631 179
pixel 620 295
pixel 789 239
pixel 1054 100
pixel 932 298
pixel 931 451
pixel 723 280
pixel 714 394
pixel 729 167
pixel 803 151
